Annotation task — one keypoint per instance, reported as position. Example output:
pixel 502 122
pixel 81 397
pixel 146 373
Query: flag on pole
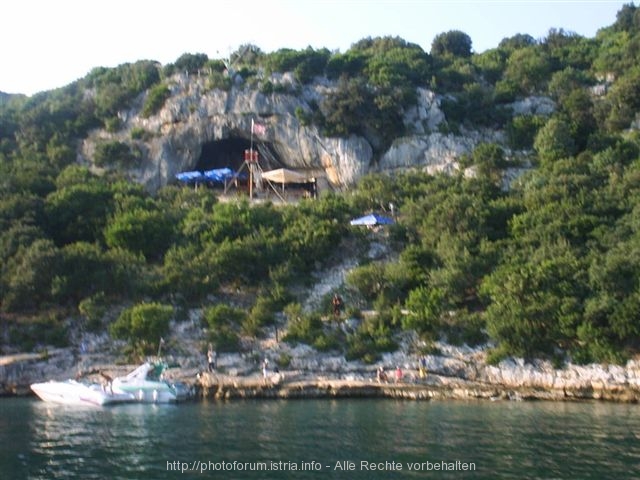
pixel 258 128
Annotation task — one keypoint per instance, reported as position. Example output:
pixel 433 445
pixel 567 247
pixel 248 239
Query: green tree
pixel 78 212
pixel 84 271
pixel 490 161
pixel 188 271
pixel 187 62
pixel 426 306
pixel 528 68
pixel 554 141
pixel 454 43
pixel 517 42
pixel 623 101
pixel 143 325
pixel 29 276
pixel 345 108
pixel 155 99
pixel 522 130
pixel 224 323
pixel 149 232
pixel 369 280
pixel 536 301
pixel 115 153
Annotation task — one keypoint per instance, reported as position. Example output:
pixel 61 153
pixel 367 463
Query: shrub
pixel 156 97
pixel 143 326
pixel 221 315
pixel 115 153
pixel 94 309
pixel 139 133
pixel 304 328
pixel 44 329
pixel 262 313
pixel 223 322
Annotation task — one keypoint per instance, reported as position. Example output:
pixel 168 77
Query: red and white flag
pixel 258 128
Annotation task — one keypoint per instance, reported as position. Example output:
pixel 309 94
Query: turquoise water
pixel 329 439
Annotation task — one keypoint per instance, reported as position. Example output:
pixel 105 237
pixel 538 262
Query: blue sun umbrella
pixel 372 220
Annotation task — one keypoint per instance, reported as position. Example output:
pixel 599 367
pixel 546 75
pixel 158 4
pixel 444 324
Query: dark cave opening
pixel 229 152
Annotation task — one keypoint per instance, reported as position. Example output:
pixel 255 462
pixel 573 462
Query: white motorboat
pixel 147 385
pixel 72 392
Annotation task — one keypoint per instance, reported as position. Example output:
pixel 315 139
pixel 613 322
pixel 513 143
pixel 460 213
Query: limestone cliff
pixel 178 138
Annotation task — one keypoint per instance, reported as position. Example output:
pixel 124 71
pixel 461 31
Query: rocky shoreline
pixel 458 373
pixel 461 390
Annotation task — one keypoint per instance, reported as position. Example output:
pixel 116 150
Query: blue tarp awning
pixel 372 219
pixel 190 176
pixel 219 174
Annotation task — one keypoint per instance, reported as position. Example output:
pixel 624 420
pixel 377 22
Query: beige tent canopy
pixel 282 175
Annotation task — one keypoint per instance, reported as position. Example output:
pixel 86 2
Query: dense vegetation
pixel 550 268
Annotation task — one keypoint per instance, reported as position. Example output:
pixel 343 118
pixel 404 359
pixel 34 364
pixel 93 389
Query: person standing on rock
pixel 423 367
pixel 337 304
pixel 399 374
pixel 211 358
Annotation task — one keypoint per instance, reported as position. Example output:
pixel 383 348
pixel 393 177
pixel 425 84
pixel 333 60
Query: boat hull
pixel 71 392
pixel 149 391
pixel 146 384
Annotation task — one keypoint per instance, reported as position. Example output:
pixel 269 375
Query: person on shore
pixel 423 367
pixel 265 368
pixel 211 358
pixel 399 374
pixel 107 382
pixel 337 305
pixel 381 375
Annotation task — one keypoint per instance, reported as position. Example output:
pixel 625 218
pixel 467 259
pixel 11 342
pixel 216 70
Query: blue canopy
pixel 372 219
pixel 190 176
pixel 219 174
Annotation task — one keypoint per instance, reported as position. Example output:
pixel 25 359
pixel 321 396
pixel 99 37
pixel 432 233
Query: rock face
pixel 194 116
pixel 18 372
pixel 453 373
pixel 433 153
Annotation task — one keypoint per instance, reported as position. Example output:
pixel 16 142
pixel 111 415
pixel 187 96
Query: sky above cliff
pixel 50 43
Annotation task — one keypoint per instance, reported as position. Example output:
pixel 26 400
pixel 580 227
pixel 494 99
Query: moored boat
pixel 72 392
pixel 146 384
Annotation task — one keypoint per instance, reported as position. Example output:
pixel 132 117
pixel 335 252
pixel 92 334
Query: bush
pixel 139 133
pixel 221 315
pixel 115 153
pixel 156 97
pixel 425 308
pixel 522 131
pixel 466 328
pixel 219 81
pixel 143 326
pixel 302 328
pixel 224 321
pixel 262 314
pixel 94 309
pixel 30 333
pixel 303 117
pixel 142 231
pixel 372 338
pixel 225 339
pixel 284 360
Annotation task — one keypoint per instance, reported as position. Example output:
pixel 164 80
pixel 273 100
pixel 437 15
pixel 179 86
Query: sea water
pixel 320 439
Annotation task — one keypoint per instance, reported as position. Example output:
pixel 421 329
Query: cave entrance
pixel 229 152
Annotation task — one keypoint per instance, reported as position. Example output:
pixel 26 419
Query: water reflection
pixel 503 439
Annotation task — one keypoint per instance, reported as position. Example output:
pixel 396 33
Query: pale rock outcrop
pixel 533 106
pixel 195 115
pixel 426 116
pixel 434 153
